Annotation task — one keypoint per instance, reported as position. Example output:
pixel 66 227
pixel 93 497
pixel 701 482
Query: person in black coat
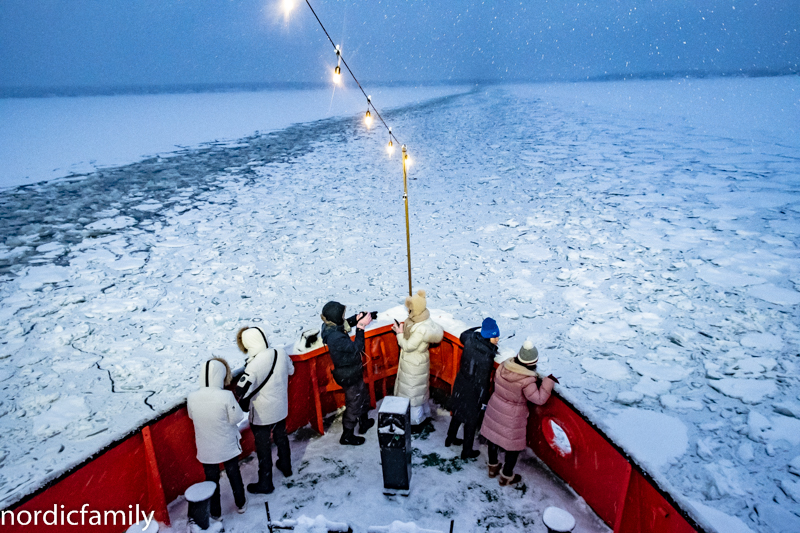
pixel 348 370
pixel 471 387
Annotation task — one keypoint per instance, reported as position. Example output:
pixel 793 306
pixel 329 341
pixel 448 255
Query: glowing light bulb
pixel 288 5
pixel 368 119
pixel 390 147
pixel 407 161
pixel 337 75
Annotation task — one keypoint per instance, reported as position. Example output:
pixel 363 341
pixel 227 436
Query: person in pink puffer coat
pixel 506 420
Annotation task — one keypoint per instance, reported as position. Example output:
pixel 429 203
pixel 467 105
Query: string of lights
pixel 337 76
pixel 288 5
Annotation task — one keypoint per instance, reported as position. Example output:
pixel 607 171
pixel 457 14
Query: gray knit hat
pixel 528 354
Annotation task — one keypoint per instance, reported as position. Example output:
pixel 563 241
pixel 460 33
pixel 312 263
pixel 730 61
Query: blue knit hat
pixel 489 329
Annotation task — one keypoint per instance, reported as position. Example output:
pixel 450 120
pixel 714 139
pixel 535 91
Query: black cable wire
pixel 339 53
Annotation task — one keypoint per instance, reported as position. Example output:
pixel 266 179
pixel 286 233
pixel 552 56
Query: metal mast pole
pixel 408 231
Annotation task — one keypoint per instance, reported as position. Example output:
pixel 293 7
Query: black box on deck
pixel 394 437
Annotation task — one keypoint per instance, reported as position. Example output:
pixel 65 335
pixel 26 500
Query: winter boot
pixel 449 441
pixel 364 423
pixel 470 454
pixel 349 438
pixel 242 509
pixel 495 469
pixel 286 469
pixel 513 480
pixel 261 488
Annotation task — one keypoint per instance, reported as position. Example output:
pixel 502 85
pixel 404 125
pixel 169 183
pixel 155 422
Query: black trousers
pixel 263 437
pixel 511 458
pixel 469 431
pixel 356 403
pixel 234 476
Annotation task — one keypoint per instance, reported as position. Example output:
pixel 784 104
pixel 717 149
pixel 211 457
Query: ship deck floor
pixel 345 484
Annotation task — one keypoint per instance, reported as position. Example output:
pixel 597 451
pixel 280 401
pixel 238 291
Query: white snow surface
pixel 644 226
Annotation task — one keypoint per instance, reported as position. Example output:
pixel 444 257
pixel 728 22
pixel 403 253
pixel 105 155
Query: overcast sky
pixel 101 43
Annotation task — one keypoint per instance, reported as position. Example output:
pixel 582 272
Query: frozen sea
pixel 644 234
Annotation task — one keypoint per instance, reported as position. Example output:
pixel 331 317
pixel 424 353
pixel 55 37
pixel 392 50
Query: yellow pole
pixel 408 231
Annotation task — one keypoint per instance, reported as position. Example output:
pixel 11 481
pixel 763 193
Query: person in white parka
pixel 413 372
pixel 267 371
pixel 216 415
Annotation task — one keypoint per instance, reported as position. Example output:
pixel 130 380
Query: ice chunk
pixel 610 331
pixel 776 295
pixel 36 277
pixel 747 390
pixel 719 520
pixel 653 438
pixel 746 452
pixel 705 448
pixel 791 488
pixel 726 278
pixel 670 401
pixel 629 397
pixel 722 480
pixel 758 424
pixel 61 413
pixel 794 466
pixel 660 371
pixel 787 409
pixel 606 368
pixel 651 387
pixel 762 341
pixel 751 366
pixel 105 225
pixel 776 518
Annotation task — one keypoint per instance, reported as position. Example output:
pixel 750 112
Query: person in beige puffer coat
pixel 414 368
pixel 506 420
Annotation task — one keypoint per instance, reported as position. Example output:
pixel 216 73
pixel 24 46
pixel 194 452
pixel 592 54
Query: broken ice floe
pixel 747 390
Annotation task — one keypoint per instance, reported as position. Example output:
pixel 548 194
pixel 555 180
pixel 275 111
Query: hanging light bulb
pixel 368 116
pixel 390 146
pixel 337 72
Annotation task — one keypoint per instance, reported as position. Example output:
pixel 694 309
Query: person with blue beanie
pixel 471 387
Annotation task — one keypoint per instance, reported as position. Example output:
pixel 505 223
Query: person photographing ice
pixel 505 425
pixel 348 369
pixel 471 387
pixel 414 367
pixel 263 388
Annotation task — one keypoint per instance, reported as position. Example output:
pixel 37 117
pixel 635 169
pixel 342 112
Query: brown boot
pixel 495 469
pixel 513 480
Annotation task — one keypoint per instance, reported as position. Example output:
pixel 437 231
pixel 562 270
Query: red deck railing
pixel 157 463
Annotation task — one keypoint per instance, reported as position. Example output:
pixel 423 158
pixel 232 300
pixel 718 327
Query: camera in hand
pixel 353 320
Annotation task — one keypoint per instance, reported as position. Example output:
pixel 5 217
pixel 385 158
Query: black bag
pixel 240 392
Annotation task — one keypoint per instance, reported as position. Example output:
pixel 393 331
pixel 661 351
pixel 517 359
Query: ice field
pixel 644 234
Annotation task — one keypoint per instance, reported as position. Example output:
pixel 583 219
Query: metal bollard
pixel 199 498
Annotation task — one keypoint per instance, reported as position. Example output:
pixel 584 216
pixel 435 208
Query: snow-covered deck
pixel 345 484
